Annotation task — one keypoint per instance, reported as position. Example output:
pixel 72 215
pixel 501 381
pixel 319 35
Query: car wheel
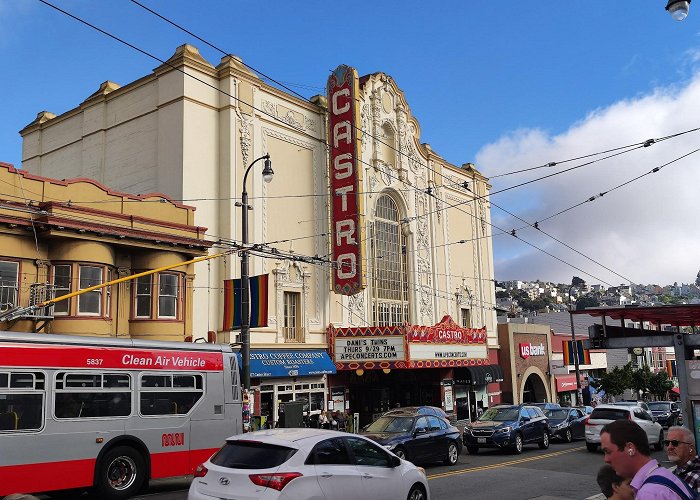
pixel 417 492
pixel 592 447
pixel 544 444
pixel 660 443
pixel 568 437
pixel 452 454
pixel 518 444
pixel 401 453
pixel 120 473
pixel 472 450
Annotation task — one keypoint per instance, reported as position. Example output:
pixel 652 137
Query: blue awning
pixel 290 363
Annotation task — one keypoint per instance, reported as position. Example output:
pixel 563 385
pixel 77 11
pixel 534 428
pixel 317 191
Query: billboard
pixel 345 180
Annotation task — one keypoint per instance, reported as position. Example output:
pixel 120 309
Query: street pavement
pixel 564 471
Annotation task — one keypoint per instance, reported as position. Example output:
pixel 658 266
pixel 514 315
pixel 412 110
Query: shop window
pixel 167 295
pixel 61 283
pixel 142 301
pixel 90 303
pixel 389 266
pixel 9 284
pixel 466 318
pixel 292 331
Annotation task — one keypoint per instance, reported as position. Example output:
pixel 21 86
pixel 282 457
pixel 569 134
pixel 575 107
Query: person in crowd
pixel 323 421
pixel 613 486
pixel 626 449
pixel 341 418
pixel 334 420
pixel 680 449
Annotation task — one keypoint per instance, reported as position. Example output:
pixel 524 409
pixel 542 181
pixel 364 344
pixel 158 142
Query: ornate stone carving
pixel 270 108
pixel 365 124
pixel 384 172
pixel 246 137
pixel 356 309
pixel 372 185
pixel 310 124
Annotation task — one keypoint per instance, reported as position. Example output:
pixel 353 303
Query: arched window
pixel 389 269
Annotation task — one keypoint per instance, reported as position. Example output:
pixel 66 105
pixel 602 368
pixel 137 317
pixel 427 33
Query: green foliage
pixel 616 381
pixel 660 384
pixel 641 379
pixel 502 295
pixel 576 281
pixel 586 301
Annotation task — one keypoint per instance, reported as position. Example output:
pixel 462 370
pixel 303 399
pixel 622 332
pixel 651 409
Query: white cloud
pixel 648 231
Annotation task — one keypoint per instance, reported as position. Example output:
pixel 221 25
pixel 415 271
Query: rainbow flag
pixel 258 302
pixel 671 368
pixel 584 355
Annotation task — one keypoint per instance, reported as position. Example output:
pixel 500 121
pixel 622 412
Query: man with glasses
pixel 680 448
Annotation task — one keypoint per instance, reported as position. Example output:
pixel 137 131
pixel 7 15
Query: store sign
pixel 449 400
pixel 527 350
pixel 566 383
pixel 362 349
pixel 446 332
pixel 345 180
pixel 440 352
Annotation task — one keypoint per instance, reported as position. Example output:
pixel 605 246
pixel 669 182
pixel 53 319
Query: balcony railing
pixel 293 334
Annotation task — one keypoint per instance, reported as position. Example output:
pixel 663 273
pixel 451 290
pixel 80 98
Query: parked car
pixel 604 414
pixel 416 437
pixel 587 410
pixel 421 410
pixel 546 406
pixel 306 463
pixel 666 412
pixel 508 426
pixel 644 405
pixel 566 424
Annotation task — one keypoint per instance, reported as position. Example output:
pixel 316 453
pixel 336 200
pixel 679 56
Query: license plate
pixel 481 440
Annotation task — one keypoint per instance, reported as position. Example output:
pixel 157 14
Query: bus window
pixel 86 395
pixel 21 401
pixel 183 392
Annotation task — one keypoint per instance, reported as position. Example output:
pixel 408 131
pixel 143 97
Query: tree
pixel 641 379
pixel 697 279
pixel 615 381
pixel 660 384
pixel 587 301
pixel 502 295
pixel 576 281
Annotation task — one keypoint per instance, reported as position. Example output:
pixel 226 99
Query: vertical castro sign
pixel 345 180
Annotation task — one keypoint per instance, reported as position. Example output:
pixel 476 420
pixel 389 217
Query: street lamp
pixel 678 9
pixel 574 345
pixel 267 174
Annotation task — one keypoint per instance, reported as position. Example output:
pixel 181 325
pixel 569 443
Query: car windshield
pixel 501 414
pixel 557 414
pixel 391 424
pixel 660 406
pixel 251 455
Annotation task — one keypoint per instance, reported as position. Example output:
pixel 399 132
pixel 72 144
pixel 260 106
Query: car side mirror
pixel 394 461
pixel 524 419
pixel 420 430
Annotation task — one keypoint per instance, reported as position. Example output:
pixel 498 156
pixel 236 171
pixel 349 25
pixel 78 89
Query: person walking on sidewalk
pixel 680 449
pixel 626 448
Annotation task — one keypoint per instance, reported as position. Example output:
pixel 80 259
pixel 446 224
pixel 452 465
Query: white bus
pixel 110 414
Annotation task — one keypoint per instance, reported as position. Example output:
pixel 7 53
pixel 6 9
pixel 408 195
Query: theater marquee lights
pixel 345 181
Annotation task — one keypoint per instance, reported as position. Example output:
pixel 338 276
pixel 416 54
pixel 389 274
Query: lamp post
pixel 579 393
pixel 678 9
pixel 267 174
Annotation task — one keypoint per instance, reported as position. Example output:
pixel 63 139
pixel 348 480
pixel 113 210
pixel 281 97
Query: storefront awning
pixel 290 363
pixel 482 374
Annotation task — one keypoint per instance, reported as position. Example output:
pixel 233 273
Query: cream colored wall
pixel 170 133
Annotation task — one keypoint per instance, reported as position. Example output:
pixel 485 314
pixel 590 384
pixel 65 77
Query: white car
pixel 604 414
pixel 309 464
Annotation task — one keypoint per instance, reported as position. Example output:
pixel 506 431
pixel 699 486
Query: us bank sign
pixel 345 181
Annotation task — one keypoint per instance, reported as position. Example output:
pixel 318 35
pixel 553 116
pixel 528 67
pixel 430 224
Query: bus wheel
pixel 120 473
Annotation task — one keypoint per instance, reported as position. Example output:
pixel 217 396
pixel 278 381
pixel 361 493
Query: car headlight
pixel 665 415
pixel 468 430
pixel 390 446
pixel 503 430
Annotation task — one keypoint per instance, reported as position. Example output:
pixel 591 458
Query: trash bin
pixel 293 414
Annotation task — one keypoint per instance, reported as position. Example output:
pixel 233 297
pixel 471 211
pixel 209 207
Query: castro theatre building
pixel 408 232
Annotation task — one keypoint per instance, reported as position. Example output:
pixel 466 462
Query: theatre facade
pixel 373 230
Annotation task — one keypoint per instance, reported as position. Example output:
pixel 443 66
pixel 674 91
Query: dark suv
pixel 665 412
pixel 508 427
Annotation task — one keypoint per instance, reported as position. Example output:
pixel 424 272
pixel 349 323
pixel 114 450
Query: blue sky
pixel 506 86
